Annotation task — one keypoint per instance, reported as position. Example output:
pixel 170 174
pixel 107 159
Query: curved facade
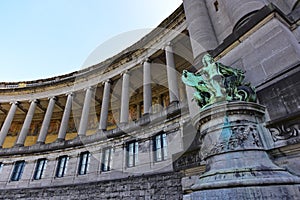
pixel 127 119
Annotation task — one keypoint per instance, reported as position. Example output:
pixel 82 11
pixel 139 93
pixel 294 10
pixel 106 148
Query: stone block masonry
pixel 158 186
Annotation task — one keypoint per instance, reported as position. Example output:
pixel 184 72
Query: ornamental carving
pixel 284 131
pixel 241 137
pixel 188 160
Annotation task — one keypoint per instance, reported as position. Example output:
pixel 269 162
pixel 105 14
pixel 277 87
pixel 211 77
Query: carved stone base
pixel 238 167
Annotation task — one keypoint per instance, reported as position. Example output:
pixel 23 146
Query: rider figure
pixel 213 78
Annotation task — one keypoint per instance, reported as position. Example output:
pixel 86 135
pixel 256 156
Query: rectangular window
pixel 84 163
pixel 132 149
pixel 61 169
pixel 40 168
pixel 106 160
pixel 160 147
pixel 18 170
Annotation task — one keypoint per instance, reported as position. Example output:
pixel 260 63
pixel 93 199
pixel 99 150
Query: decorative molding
pixel 208 115
pixel 188 160
pixel 285 131
pixel 242 137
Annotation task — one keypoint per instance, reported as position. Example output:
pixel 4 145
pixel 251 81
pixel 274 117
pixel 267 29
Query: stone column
pixel 159 103
pixel 46 122
pixel 27 122
pixel 65 119
pixel 124 115
pixel 147 94
pixel 201 31
pixel 7 122
pixel 85 112
pixel 105 105
pixel 172 74
pixel 138 111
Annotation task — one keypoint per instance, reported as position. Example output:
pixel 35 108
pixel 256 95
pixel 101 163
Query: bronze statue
pixel 216 82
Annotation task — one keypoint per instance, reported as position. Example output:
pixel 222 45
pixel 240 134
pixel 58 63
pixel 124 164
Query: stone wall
pixel 158 186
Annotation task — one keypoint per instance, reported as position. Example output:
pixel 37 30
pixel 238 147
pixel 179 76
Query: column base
pixel 101 130
pixel 173 103
pixel 146 114
pixel 80 138
pixel 123 123
pixel 101 134
pixel 39 143
pixel 60 140
pixel 173 109
pixel 144 120
pixel 19 145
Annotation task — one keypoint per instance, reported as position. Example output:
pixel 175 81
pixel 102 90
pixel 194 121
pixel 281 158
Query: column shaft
pixel 7 122
pixel 85 112
pixel 65 119
pixel 201 31
pixel 124 115
pixel 138 111
pixel 105 106
pixel 147 88
pixel 46 122
pixel 172 75
pixel 159 104
pixel 26 125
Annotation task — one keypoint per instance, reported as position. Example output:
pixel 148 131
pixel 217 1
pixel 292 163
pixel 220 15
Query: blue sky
pixel 45 38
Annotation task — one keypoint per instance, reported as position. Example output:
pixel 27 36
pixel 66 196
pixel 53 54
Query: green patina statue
pixel 216 82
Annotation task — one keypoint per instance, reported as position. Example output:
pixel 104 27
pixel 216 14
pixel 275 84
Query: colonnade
pixel 89 91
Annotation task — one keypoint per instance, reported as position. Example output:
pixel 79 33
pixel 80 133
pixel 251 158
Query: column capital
pixel 107 81
pixel 148 60
pixel 34 101
pixel 125 72
pixel 15 102
pixel 89 88
pixel 168 45
pixel 70 93
pixel 55 98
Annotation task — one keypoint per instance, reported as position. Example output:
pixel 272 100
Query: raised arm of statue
pixel 213 78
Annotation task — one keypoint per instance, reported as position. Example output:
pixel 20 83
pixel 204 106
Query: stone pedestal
pixel 238 167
